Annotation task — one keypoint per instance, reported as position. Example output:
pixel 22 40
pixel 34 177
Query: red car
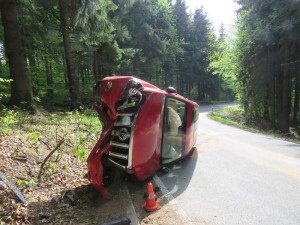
pixel 144 128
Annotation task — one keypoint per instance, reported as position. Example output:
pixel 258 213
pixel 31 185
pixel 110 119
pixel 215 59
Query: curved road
pixel 237 177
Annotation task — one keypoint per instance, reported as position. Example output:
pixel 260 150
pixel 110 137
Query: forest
pixel 52 52
pixel 264 61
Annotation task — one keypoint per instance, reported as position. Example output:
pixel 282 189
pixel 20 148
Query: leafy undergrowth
pixel 25 141
pixel 235 116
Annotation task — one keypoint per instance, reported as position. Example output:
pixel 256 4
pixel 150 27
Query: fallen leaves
pixel 20 162
pixel 21 153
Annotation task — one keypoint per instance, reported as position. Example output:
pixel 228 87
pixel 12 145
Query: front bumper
pixel 94 164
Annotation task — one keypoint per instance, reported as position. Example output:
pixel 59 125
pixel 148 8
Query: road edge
pixel 171 200
pixel 130 211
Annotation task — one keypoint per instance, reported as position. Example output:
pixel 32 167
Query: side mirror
pixel 171 90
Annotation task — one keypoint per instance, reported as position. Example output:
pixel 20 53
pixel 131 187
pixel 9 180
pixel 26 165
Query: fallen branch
pixel 20 158
pixel 6 184
pixel 49 155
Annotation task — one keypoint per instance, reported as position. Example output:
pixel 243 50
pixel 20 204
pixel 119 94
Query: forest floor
pixel 234 116
pixel 63 194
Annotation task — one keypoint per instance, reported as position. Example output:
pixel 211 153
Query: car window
pixel 195 114
pixel 174 130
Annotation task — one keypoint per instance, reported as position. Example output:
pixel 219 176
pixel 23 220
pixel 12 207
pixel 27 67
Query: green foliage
pixel 7 119
pixel 265 55
pixel 262 61
pixel 235 113
pixel 33 136
pixel 224 64
pixel 80 130
pixel 235 116
pixel 92 23
pixel 4 83
pixel 6 219
pixel 27 183
pixel 53 167
pixel 18 153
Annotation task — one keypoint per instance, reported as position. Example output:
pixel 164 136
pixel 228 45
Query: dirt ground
pixel 60 197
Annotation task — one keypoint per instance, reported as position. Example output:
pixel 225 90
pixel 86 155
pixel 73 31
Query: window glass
pixel 174 130
pixel 195 114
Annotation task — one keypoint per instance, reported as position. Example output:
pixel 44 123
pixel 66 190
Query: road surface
pixel 237 177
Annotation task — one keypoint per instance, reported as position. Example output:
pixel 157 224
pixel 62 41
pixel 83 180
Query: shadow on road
pixel 179 177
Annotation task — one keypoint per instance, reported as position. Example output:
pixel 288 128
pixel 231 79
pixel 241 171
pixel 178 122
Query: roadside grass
pixel 228 122
pixel 234 116
pixel 216 102
pixel 79 130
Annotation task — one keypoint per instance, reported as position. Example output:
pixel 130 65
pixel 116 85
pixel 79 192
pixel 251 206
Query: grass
pixel 232 123
pixel 79 129
pixel 234 116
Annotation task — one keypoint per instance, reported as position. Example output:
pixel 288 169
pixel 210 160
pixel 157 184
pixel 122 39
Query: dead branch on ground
pixel 48 156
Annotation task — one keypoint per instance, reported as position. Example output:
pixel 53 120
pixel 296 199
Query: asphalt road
pixel 237 177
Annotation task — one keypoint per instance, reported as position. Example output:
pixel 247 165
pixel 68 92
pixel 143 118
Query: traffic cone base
pixel 153 208
pixel 150 204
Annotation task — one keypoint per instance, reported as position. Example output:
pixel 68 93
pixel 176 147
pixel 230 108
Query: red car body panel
pixel 110 96
pixel 133 135
pixel 95 168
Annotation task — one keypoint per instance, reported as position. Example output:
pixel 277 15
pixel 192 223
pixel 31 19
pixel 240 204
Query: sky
pixel 218 11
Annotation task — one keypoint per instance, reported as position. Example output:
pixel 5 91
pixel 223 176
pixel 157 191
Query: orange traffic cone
pixel 150 204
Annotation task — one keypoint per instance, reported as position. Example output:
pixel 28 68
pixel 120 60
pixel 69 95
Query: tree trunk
pixel 166 80
pixel 72 80
pixel 286 101
pixel 177 80
pixel 279 88
pixel 21 90
pixel 95 65
pixel 81 69
pixel 157 79
pixel 297 93
pixel 199 90
pixel 33 66
pixel 86 72
pixel 181 84
pixel 189 90
pixel 273 120
pixel 49 79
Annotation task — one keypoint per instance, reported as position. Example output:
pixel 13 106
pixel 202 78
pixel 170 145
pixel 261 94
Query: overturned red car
pixel 144 128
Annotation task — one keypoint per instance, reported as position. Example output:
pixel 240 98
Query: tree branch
pixel 49 155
